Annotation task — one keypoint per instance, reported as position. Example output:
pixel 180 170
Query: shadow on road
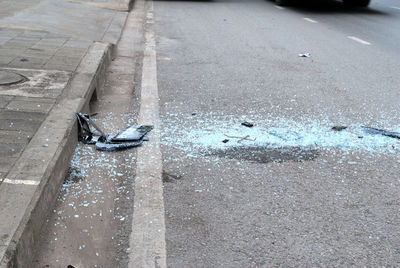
pixel 195 1
pixel 330 7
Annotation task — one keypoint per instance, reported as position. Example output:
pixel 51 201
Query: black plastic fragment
pixel 305 55
pixel 225 141
pixel 110 147
pixel 247 124
pixel 86 134
pixel 89 133
pixel 339 128
pixel 377 131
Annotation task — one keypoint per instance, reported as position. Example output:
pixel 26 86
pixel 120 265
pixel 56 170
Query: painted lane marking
pixel 359 40
pixel 21 182
pixel 163 58
pixel 398 8
pixel 279 7
pixel 147 240
pixel 310 20
pixel 18 27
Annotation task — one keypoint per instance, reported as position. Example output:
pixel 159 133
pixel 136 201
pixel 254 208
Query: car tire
pixel 357 3
pixel 282 2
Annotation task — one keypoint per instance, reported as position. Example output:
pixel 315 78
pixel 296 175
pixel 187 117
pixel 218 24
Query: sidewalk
pixel 55 52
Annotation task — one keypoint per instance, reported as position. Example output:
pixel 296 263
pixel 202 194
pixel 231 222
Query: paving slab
pixel 65 18
pixel 39 105
pixel 15 136
pixel 4 60
pixel 4 100
pixel 6 163
pixel 10 149
pixel 39 83
pixel 20 121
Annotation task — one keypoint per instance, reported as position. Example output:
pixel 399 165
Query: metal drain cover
pixel 10 78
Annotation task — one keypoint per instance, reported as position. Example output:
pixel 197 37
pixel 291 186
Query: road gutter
pixel 147 240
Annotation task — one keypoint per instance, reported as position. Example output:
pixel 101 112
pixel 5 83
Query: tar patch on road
pixel 266 155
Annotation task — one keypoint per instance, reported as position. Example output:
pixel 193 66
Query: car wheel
pixel 357 3
pixel 282 2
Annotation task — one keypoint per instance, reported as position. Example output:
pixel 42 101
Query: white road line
pixel 359 40
pixel 398 8
pixel 22 182
pixel 310 20
pixel 279 7
pixel 147 240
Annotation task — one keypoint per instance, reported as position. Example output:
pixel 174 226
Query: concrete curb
pixel 24 207
pixel 122 5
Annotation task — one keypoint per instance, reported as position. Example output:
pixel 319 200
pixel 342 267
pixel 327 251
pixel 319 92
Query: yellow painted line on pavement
pixel 359 40
pixel 163 58
pixel 147 240
pixel 106 5
pixel 21 182
pixel 18 27
pixel 310 20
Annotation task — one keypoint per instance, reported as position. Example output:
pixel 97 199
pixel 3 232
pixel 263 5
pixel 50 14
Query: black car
pixel 359 3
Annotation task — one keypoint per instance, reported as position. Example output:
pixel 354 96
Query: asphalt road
pixel 289 191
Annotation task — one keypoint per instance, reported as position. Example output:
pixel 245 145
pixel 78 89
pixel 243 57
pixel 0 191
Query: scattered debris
pixel 305 55
pixel 247 138
pixel 129 137
pixel 225 141
pixel 286 135
pixel 361 137
pixel 377 131
pixel 339 128
pixel 247 124
pixel 194 114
